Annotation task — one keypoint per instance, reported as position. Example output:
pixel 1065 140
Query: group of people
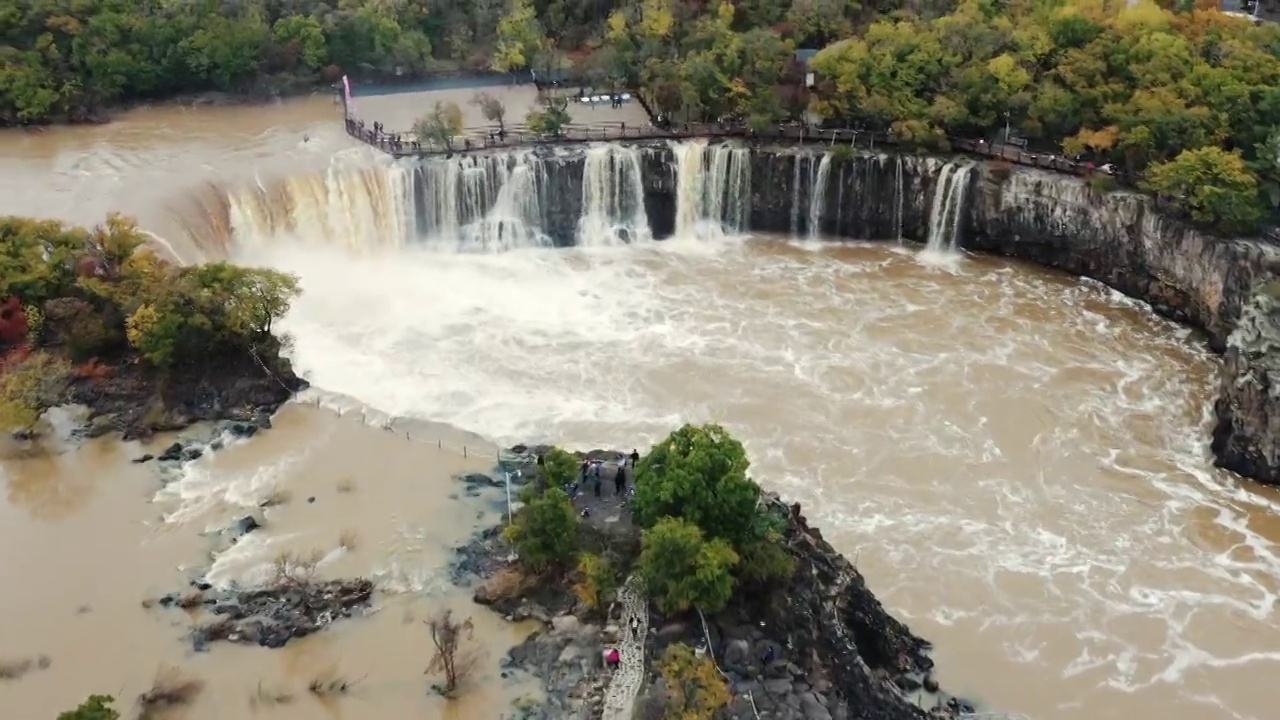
pixel 377 136
pixel 589 473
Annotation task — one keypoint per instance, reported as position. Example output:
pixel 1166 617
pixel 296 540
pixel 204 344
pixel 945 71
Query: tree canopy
pixel 1133 84
pixel 1183 98
pixel 71 294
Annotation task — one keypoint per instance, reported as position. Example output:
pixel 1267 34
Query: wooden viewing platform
pixel 479 139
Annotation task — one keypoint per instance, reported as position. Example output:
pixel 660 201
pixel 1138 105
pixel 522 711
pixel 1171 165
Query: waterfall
pixel 613 197
pixel 947 210
pixel 796 176
pixel 818 195
pixel 713 188
pixel 362 208
pixel 480 203
pixel 898 193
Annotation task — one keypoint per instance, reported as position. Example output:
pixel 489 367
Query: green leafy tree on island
pixel 699 474
pixel 684 569
pixel 545 531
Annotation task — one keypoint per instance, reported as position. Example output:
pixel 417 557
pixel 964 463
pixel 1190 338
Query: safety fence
pixel 706 633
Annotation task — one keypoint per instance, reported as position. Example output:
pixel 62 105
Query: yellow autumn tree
pixel 695 689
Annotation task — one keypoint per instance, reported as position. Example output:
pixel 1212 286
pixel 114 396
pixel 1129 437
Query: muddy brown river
pixel 1016 459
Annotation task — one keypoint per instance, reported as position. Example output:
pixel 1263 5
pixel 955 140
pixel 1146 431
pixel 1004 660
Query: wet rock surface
pixel 271 617
pixel 1246 437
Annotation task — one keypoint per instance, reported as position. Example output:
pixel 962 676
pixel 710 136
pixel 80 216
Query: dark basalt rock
pixel 271 617
pixel 137 401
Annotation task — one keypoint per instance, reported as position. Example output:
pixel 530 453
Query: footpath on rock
pixel 742 611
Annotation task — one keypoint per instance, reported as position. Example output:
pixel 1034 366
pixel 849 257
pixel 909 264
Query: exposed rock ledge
pixel 838 653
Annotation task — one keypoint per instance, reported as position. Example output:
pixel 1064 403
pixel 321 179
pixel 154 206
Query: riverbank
pixel 814 645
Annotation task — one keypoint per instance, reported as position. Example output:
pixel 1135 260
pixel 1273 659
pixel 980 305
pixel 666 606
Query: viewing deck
pixel 479 139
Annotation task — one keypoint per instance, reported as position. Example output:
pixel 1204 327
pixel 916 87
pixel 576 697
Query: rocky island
pixel 97 318
pixel 720 600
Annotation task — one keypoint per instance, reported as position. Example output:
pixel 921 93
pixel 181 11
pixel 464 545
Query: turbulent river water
pixel 1017 460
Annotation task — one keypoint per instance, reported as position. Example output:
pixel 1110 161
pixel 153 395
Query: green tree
pixel 303 35
pixel 96 707
pixel 683 569
pixel 545 531
pixel 1212 186
pixel 696 690
pixel 441 125
pixel 551 120
pixel 698 474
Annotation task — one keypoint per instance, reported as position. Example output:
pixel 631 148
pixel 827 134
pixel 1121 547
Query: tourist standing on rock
pixel 620 481
pixel 635 628
pixel 635 457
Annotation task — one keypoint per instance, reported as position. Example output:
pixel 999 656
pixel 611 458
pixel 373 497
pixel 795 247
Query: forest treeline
pixel 1173 93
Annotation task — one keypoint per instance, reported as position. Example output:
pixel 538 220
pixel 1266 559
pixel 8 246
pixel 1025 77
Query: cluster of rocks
pixel 189 449
pixel 271 616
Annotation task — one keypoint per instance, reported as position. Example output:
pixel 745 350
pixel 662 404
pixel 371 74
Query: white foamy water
pixel 1017 460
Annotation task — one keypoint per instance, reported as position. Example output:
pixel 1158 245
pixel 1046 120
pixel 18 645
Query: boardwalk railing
pixel 490 137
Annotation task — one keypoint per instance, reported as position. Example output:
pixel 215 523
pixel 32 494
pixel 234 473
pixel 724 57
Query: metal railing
pixel 401 144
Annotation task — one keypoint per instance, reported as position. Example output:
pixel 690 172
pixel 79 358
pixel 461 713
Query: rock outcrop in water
pixel 815 647
pixel 138 400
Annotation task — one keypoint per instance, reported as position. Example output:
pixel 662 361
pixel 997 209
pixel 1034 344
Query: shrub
pixel 695 689
pixel 81 328
pixel 29 386
pixel 841 153
pixel 683 569
pixel 96 707
pixel 545 531
pixel 1101 183
pixel 597 580
pixel 559 467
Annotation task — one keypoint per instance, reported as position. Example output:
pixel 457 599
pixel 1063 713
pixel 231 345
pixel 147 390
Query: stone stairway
pixel 620 697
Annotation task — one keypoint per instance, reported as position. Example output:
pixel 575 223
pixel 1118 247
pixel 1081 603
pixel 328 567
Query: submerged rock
pixel 271 617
